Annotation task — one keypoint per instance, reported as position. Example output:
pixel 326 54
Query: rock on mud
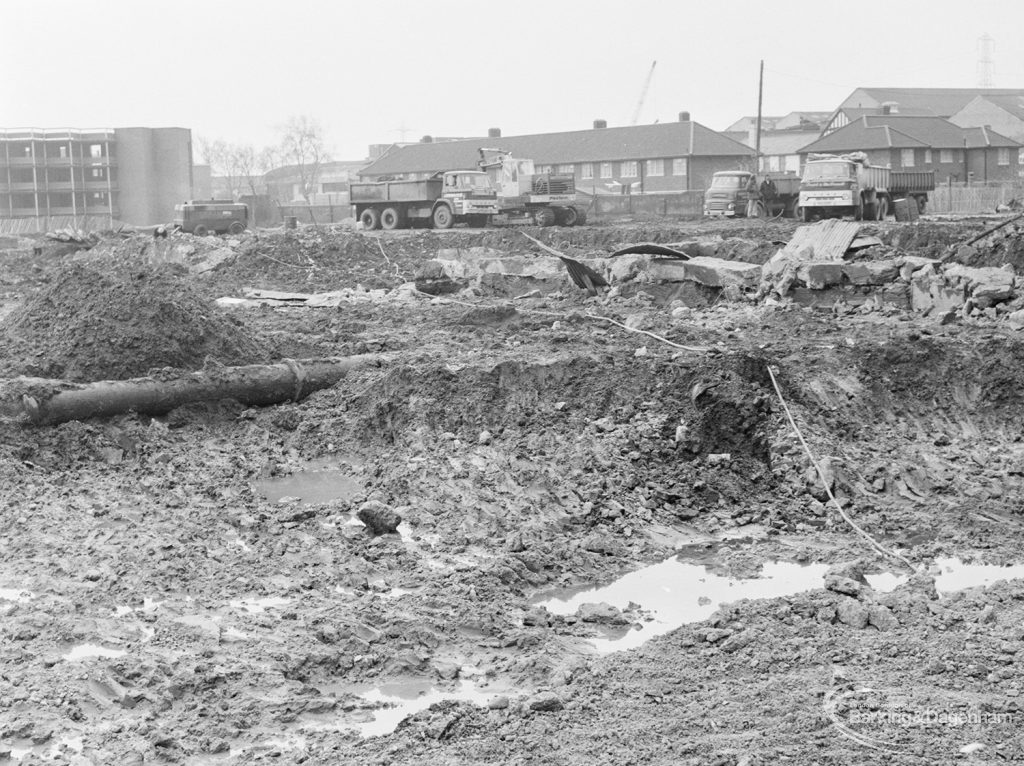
pixel 603 612
pixel 545 702
pixel 378 518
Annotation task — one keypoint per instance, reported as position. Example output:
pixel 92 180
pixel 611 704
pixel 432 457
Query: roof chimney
pixel 494 132
pixel 427 140
pixel 598 124
pixel 684 116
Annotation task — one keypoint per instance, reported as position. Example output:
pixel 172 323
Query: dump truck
pixel 212 216
pixel 834 185
pixel 727 196
pixel 456 196
pixel 528 197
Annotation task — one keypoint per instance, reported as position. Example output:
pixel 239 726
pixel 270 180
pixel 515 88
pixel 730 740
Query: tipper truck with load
pixel 525 196
pixel 840 185
pixel 456 196
pixel 727 196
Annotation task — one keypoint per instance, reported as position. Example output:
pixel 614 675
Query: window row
pixel 908 157
pixel 631 168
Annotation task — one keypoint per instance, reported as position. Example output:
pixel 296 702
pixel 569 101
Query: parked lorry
pixel 525 196
pixel 212 216
pixel 456 196
pixel 839 185
pixel 727 196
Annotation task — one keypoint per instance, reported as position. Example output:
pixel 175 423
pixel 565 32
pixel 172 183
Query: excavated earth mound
pixel 96 325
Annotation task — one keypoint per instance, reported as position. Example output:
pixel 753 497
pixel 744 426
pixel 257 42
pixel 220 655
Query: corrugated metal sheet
pixel 825 240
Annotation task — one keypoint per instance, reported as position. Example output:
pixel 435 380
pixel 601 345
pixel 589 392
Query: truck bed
pixel 904 181
pixel 395 191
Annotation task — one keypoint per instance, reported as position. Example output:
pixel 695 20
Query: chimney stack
pixel 494 132
pixel 599 124
pixel 684 116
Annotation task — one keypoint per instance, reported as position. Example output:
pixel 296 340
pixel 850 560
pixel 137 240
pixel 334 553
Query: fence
pixel 976 198
pixel 688 204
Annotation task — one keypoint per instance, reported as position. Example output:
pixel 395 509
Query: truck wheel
pixel 545 216
pixel 758 210
pixel 390 219
pixel 567 216
pixel 236 227
pixel 200 230
pixel 370 219
pixel 921 201
pixel 443 218
pixel 581 216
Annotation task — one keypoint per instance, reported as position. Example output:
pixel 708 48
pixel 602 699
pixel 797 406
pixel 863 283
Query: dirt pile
pixel 100 325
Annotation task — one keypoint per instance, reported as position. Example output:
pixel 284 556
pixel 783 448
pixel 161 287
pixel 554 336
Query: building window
pixel 655 167
pixel 629 169
pixel 95 151
pixel 1003 156
pixel 606 170
pixel 587 170
pixel 927 156
pixel 773 163
pixel 679 166
pixel 63 151
pixel 567 169
pixel 907 158
pixel 945 155
pixel 1020 156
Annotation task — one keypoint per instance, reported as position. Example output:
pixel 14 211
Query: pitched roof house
pixel 670 156
pixel 935 102
pixel 926 143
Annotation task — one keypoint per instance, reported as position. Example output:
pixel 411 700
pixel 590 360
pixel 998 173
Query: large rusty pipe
pixel 254 384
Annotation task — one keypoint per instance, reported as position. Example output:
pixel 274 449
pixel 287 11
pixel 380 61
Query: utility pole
pixel 757 139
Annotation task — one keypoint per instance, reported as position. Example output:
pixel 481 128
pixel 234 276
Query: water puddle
pixel 952 574
pixel 311 486
pixel 79 652
pixel 404 700
pixel 675 592
pixel 17 595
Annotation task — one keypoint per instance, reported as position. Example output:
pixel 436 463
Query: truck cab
pixel 213 216
pixel 727 196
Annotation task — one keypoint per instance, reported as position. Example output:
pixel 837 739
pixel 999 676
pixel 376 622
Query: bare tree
pixel 304 147
pixel 252 165
pixel 222 158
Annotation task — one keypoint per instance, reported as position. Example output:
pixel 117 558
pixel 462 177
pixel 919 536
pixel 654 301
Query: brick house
pixel 903 141
pixel 663 157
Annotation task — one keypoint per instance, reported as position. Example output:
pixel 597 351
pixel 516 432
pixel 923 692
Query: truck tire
pixel 566 216
pixel 370 219
pixel 581 216
pixel 442 217
pixel 390 218
pixel 921 202
pixel 758 210
pixel 200 230
pixel 544 216
pixel 236 227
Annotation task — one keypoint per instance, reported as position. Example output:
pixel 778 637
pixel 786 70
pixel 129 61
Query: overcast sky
pixel 377 72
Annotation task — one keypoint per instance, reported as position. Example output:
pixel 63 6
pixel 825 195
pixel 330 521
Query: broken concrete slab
pixel 872 272
pixel 475 262
pixel 819 276
pixel 932 293
pixel 987 283
pixel 711 272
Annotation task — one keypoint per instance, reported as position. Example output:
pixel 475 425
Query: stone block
pixel 818 276
pixel 712 272
pixel 872 272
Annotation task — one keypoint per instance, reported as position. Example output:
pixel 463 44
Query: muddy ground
pixel 196 588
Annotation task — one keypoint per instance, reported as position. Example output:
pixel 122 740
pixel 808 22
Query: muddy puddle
pixel 321 481
pixel 677 591
pixel 78 652
pixel 387 705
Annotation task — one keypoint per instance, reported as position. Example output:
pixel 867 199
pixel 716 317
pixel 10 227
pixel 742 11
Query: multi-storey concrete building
pixel 94 177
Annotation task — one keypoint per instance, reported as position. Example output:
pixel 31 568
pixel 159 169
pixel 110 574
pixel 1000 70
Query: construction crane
pixel 643 94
